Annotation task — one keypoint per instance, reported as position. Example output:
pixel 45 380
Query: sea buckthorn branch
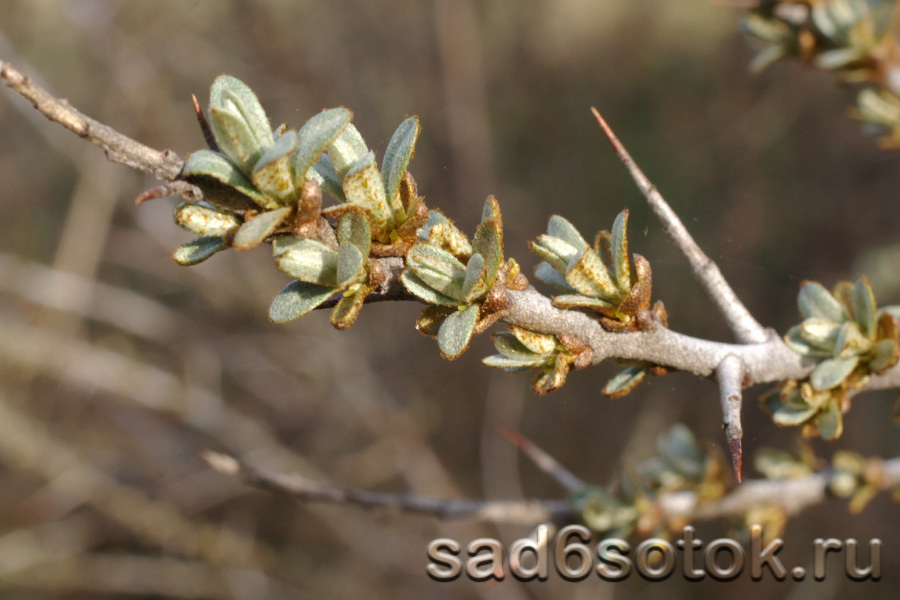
pixel 257 185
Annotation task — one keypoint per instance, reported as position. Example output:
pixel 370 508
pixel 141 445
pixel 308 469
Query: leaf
pixel 864 311
pixel 884 355
pixel 347 150
pixel 350 263
pixel 561 228
pixel 556 251
pixel 399 152
pixel 625 381
pixel 314 138
pixel 552 379
pixel 539 343
pixel 296 299
pixel 474 272
pixel 205 221
pixel 787 407
pixel 798 342
pixel 253 232
pixel 566 301
pixel 511 347
pixel 310 261
pixel 437 268
pixel 621 266
pixel 499 361
pixel 589 276
pixel 679 448
pixel 363 187
pixel 353 228
pixel 238 122
pixel 832 371
pixel 850 341
pixel 830 422
pixel 272 173
pixel 323 172
pixel 227 89
pixel 488 242
pixel 198 250
pixel 418 288
pixel 546 273
pixel 456 331
pixel 347 309
pixel 203 165
pixel 814 301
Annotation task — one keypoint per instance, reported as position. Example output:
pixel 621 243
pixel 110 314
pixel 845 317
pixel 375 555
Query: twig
pixel 119 148
pixel 745 328
pixel 544 461
pixel 730 374
pixel 792 495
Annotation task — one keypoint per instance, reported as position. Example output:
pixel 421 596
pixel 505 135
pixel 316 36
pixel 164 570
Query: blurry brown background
pixel 117 366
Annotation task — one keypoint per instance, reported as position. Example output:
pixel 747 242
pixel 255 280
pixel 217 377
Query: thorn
pixel 204 125
pixel 733 435
pixel 639 178
pixel 173 188
pixel 730 374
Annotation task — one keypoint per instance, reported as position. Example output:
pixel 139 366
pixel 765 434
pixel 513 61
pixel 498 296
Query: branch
pixel 119 148
pixel 792 495
pixel 746 329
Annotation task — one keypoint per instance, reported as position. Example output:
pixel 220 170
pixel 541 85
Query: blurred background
pixel 117 366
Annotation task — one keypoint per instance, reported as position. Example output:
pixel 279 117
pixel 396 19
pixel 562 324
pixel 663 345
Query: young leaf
pixel 415 286
pixel 227 90
pixel 456 331
pixel 272 173
pixel 589 276
pixel 831 372
pixel 198 250
pixel 363 187
pixel 350 263
pixel 814 301
pixel 314 138
pixel 347 150
pixel 621 266
pixel 203 165
pixel 310 261
pixel 348 307
pixel 296 299
pixel 474 272
pixel 625 381
pixel 323 172
pixel 396 159
pixel 205 221
pixel 561 228
pixel 864 306
pixel 438 269
pixel 354 228
pixel 253 232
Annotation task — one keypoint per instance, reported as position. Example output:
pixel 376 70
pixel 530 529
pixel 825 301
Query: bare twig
pixel 119 148
pixel 791 495
pixel 745 328
pixel 730 374
pixel 544 461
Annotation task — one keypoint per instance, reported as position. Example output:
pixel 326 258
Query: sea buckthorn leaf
pixel 546 273
pixel 347 150
pixel 399 152
pixel 253 232
pixel 830 422
pixel 566 301
pixel 353 228
pixel 488 242
pixel 203 165
pixel 832 371
pixel 296 299
pixel 474 276
pixel 513 364
pixel 539 343
pixel 884 355
pixel 272 173
pixel 787 409
pixel 205 221
pixel 555 251
pixel 310 261
pixel 508 345
pixel 350 265
pixel 561 228
pixel 589 276
pixel 850 341
pixel 456 331
pixel 417 287
pixel 229 91
pixel 864 311
pixel 363 187
pixel 621 266
pixel 198 250
pixel 814 301
pixel 438 269
pixel 325 175
pixel 625 381
pixel 348 307
pixel 314 138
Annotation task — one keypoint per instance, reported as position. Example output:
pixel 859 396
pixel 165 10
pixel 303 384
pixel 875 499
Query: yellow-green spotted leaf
pixel 621 266
pixel 205 221
pixel 830 422
pixel 415 286
pixel 396 159
pixel 589 276
pixel 625 381
pixel 205 165
pixel 438 269
pixel 272 173
pixel 348 307
pixel 814 301
pixel 561 228
pixel 296 299
pixel 310 261
pixel 253 232
pixel 350 265
pixel 364 188
pixel 353 228
pixel 347 150
pixel 832 371
pixel 456 331
pixel 314 138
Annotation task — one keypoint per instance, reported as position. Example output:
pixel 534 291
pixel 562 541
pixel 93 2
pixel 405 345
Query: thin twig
pixel 119 148
pixel 730 374
pixel 745 328
pixel 544 461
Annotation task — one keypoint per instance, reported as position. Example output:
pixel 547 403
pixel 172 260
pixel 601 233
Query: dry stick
pixel 791 495
pixel 745 328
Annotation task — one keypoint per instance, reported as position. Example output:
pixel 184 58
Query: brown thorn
pixel 204 125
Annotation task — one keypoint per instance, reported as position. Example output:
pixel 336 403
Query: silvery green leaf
pixel 539 343
pixel 283 243
pixel 561 228
pixel 363 187
pixel 272 173
pixel 347 308
pixel 456 331
pixel 353 228
pixel 474 272
pixel 415 286
pixel 314 138
pixel 621 266
pixel 204 164
pixel 814 301
pixel 830 422
pixel 766 29
pixel 512 364
pixel 349 265
pixel 850 341
pixel 323 172
pixel 205 221
pixel 438 269
pixel 625 381
pixel 837 58
pixel 787 414
pixel 253 232
pixel 884 355
pixel 551 276
pixel 832 371
pixel 556 251
pixel 198 250
pixel 396 159
pixel 796 341
pixel 347 150
pixel 446 235
pixel 310 261
pixel 864 311
pixel 589 276
pixel 820 333
pixel 880 108
pixel 227 91
pixel 488 242
pixel 510 346
pixel 566 301
pixel 434 217
pixel 823 21
pixel 296 299
pixel 680 450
